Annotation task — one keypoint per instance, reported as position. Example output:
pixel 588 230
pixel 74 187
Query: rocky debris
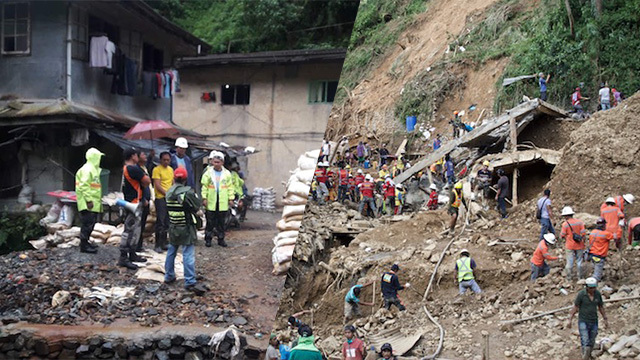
pixel 27 345
pixel 66 287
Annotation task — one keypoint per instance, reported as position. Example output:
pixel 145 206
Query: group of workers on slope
pixel 176 204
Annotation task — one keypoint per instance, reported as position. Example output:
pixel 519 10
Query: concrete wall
pixel 40 74
pixel 279 120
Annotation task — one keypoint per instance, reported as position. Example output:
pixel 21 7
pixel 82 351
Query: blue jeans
pixel 370 201
pixel 598 267
pixel 539 271
pixel 605 105
pixel 188 260
pixel 546 227
pixel 574 256
pixel 588 333
pixel 469 284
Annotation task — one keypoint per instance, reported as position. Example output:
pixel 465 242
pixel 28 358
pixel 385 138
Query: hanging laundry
pixel 167 85
pixel 110 49
pixel 159 78
pixel 148 84
pixel 98 51
pixel 176 82
pixel 131 76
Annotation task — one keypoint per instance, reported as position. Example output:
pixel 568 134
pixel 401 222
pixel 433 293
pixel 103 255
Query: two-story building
pixel 57 96
pixel 278 101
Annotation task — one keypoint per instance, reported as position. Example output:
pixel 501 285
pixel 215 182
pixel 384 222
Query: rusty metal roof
pixel 265 57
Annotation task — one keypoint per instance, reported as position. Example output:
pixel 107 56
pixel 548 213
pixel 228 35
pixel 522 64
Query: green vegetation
pixel 377 27
pixel 17 229
pixel 248 26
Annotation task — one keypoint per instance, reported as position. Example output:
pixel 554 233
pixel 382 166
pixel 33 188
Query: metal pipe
pixel 69 43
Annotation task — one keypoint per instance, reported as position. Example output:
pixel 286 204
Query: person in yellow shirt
pixel 162 180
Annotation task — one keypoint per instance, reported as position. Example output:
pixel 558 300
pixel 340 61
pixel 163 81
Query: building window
pixel 322 91
pixel 235 94
pixel 131 44
pixel 99 27
pixel 152 58
pixel 16 29
pixel 79 34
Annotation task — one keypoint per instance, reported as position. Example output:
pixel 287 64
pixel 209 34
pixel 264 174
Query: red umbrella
pixel 150 129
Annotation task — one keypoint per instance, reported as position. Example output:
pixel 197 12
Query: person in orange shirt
pixel 615 220
pixel 574 235
pixel 634 231
pixel 599 240
pixel 620 201
pixel 539 267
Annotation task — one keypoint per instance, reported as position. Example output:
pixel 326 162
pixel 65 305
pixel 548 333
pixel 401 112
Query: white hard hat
pixel 360 171
pixel 567 210
pixel 629 198
pixel 182 143
pixel 433 187
pixel 216 154
pixel 399 186
pixel 464 251
pixel 550 238
pixel 387 176
pixel 610 200
pixel 591 282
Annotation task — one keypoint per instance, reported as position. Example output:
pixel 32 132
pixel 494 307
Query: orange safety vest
pixel 599 240
pixel 457 200
pixel 569 227
pixel 612 215
pixel 135 184
pixel 541 254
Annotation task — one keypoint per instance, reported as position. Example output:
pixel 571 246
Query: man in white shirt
pixel 604 96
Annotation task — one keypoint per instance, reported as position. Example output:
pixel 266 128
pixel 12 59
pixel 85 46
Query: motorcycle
pixel 238 212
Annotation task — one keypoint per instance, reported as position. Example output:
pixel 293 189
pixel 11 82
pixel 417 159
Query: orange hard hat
pixel 455 112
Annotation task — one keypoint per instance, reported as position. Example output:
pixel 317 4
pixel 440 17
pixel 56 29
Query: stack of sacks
pixel 150 225
pixel 264 199
pixel 295 201
pixel 101 233
pixel 116 235
pixel 64 238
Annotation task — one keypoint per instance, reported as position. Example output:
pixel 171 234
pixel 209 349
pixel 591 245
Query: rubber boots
pixel 135 258
pixel 125 262
pixel 587 353
pixel 222 243
pixel 85 247
pixel 160 242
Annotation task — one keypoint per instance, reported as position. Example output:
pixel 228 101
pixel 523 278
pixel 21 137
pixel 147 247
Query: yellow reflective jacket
pixel 237 183
pixel 209 192
pixel 88 186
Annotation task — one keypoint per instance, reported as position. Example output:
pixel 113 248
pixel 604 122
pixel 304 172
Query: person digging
pixel 352 301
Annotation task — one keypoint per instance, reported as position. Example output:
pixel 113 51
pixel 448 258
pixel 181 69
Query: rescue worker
pixel 389 189
pixel 353 348
pixel 89 197
pixel 343 184
pixel 456 123
pixel 181 159
pixel 367 193
pixel 314 188
pixel 163 179
pixel 352 188
pixel 539 266
pixel 134 180
pixel 449 168
pixel 615 220
pixel 634 232
pixel 305 350
pixel 464 268
pixel 587 301
pixel 501 194
pixel 599 247
pixel 359 178
pixel 321 177
pixel 483 181
pixel 382 174
pixel 386 352
pixel 576 101
pixel 574 235
pixel 146 199
pixel 352 301
pixel 433 197
pixel 400 198
pixel 217 196
pixel 456 198
pixel 182 205
pixel 390 285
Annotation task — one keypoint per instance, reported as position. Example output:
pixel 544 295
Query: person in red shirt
pixel 352 188
pixel 615 220
pixel 389 189
pixel 433 197
pixel 353 348
pixel 359 180
pixel 539 267
pixel 368 197
pixel 599 240
pixel 574 235
pixel 576 101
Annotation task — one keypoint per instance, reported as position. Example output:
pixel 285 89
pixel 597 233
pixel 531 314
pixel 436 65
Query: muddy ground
pixel 242 290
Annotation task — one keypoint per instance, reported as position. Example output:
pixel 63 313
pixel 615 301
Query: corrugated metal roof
pixel 265 57
pixel 400 342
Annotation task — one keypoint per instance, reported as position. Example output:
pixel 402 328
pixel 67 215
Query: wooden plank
pixel 468 138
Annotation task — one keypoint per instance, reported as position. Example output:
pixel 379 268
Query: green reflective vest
pixel 464 269
pixel 88 186
pixel 182 203
pixel 212 194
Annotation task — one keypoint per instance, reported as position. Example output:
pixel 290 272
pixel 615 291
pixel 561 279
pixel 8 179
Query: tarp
pixel 401 343
pixel 159 145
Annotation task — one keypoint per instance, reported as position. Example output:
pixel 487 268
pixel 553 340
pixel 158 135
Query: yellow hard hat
pixel 486 163
pixel 348 167
pixel 458 185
